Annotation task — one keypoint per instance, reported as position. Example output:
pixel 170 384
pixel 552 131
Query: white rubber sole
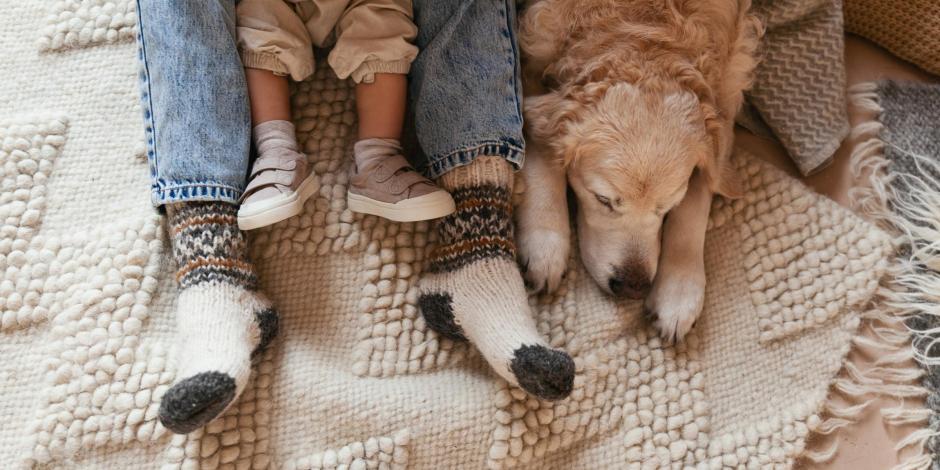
pixel 276 209
pixel 427 207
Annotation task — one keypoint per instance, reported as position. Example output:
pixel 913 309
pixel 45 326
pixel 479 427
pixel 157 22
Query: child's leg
pixel 381 106
pixel 383 183
pixel 273 43
pixel 279 183
pixel 269 95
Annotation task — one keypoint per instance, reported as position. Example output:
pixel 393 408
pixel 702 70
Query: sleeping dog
pixel 632 104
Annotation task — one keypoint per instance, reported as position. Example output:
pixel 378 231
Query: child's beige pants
pixel 368 36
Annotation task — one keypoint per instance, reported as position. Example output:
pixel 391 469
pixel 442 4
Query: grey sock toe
pixel 195 401
pixel 268 324
pixel 438 311
pixel 543 372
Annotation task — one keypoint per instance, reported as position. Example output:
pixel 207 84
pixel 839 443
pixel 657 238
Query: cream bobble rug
pixel 356 379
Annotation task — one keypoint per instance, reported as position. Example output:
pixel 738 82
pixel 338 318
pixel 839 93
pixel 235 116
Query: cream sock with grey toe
pixel 472 288
pixel 222 320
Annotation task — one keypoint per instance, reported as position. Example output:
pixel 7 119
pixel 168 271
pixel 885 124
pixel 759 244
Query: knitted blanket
pixel 900 157
pixel 798 94
pixel 910 29
pixel 356 379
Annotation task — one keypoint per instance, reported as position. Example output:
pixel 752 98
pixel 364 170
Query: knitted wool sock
pixel 472 288
pixel 222 319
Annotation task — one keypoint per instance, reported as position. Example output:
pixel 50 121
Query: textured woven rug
pixel 356 380
pixel 900 158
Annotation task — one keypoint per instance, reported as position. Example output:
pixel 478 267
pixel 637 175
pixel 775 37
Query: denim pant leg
pixel 465 86
pixel 194 99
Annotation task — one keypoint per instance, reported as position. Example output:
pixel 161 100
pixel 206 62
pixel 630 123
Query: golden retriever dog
pixel 632 104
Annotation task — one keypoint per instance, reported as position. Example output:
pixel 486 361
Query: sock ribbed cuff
pixel 486 170
pixel 481 227
pixel 208 246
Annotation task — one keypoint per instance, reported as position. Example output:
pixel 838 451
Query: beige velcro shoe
pixel 392 189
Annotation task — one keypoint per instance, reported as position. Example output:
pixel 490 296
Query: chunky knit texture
pixel 909 29
pixel 221 317
pixel 473 289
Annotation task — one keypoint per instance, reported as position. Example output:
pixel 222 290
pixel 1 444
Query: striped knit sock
pixel 222 319
pixel 472 288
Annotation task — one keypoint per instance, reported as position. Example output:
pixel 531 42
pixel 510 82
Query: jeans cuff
pixel 510 150
pixel 161 195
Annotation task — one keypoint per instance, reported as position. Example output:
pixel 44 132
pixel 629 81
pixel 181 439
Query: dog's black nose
pixel 633 283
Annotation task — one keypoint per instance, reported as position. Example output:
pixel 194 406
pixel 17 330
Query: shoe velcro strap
pixel 277 179
pixel 404 181
pixel 388 167
pixel 272 164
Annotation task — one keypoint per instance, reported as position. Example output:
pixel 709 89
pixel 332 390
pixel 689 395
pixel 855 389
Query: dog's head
pixel 629 155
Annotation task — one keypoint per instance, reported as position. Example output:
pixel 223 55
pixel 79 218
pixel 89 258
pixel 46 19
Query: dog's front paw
pixel 543 255
pixel 675 303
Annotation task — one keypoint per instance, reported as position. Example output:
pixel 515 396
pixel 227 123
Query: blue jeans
pixel 465 92
pixel 194 99
pixel 465 89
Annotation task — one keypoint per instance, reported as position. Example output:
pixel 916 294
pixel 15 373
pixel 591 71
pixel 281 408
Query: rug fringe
pixel 900 295
pixel 848 411
pixel 822 456
pixel 915 463
pixel 901 416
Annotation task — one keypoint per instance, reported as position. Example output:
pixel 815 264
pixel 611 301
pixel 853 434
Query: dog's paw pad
pixel 438 311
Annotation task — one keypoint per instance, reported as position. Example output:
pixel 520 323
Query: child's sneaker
pixel 390 188
pixel 278 186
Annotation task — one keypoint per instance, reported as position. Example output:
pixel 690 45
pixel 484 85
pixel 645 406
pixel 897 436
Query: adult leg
pixel 197 121
pixel 466 96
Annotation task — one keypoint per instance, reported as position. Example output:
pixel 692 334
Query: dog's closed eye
pixel 605 201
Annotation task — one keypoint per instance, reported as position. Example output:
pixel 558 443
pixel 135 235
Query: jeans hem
pixel 509 150
pixel 195 192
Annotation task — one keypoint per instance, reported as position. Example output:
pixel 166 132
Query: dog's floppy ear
pixel 722 178
pixel 549 119
pixel 554 118
pixel 547 115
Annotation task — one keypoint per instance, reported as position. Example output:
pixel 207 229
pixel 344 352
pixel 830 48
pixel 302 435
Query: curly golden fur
pixel 632 103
